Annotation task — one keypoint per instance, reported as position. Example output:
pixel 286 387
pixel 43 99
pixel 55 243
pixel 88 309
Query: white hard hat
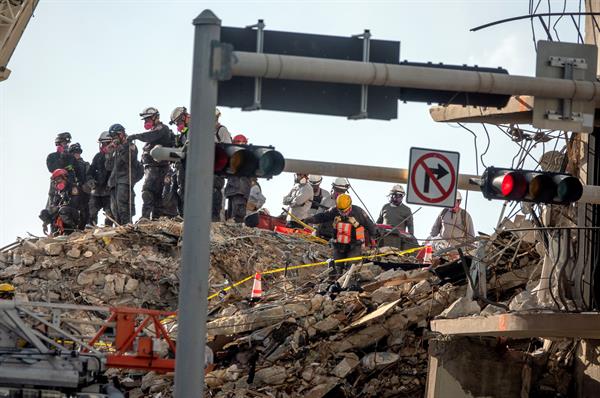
pixel 217 112
pixel 104 136
pixel 458 195
pixel 397 189
pixel 315 179
pixel 341 182
pixel 176 114
pixel 148 112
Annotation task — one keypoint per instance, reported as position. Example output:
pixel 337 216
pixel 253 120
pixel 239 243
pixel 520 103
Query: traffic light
pixel 233 159
pixel 530 186
pixel 248 160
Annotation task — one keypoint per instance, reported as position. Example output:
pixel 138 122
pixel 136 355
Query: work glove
pixel 45 228
pixel 132 137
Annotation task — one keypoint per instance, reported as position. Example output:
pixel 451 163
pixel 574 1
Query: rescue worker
pixel 221 136
pixel 98 175
pixel 82 182
pixel 321 198
pixel 61 213
pixel 256 199
pixel 399 217
pixel 61 158
pixel 453 226
pixel 298 200
pixel 7 291
pixel 156 134
pixel 349 223
pixel 237 190
pixel 181 119
pixel 339 186
pixel 125 170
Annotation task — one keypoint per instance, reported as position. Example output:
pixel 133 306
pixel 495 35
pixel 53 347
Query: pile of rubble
pixel 303 338
pixel 138 265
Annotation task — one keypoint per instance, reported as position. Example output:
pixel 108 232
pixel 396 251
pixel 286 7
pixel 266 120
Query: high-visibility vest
pixel 343 232
pixel 360 234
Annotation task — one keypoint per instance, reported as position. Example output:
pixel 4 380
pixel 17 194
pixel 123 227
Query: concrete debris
pixel 461 307
pixel 299 339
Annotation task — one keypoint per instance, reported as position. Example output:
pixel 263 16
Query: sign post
pixel 432 177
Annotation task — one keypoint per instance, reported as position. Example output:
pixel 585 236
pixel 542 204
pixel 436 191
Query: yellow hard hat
pixel 6 288
pixel 343 202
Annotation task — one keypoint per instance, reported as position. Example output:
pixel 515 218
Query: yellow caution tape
pixel 293 267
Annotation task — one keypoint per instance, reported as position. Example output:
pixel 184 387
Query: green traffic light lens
pixel 569 189
pixel 271 163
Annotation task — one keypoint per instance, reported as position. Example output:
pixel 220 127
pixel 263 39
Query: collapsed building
pixel 299 338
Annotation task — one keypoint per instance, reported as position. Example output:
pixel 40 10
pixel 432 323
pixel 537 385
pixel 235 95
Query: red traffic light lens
pixel 508 183
pixel 512 185
pixel 221 159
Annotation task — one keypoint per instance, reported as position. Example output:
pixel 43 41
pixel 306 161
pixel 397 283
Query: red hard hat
pixel 59 173
pixel 240 138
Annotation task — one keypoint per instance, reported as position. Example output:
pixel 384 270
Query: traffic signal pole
pixel 276 66
pixel 468 182
pixel 195 257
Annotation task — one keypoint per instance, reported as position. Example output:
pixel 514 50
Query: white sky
pixel 84 65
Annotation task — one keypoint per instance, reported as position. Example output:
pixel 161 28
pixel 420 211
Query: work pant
pixel 120 205
pixel 343 251
pixel 98 203
pixel 180 168
pixel 170 198
pixel 236 208
pixel 152 190
pixel 217 199
pixel 84 209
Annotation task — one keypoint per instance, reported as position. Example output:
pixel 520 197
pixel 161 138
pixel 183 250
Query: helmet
pixel 397 189
pixel 114 129
pixel 177 113
pixel 217 113
pixel 104 137
pixel 458 195
pixel 343 202
pixel 59 173
pixel 75 148
pixel 341 183
pixel 149 112
pixel 240 138
pixel 315 179
pixel 6 288
pixel 63 137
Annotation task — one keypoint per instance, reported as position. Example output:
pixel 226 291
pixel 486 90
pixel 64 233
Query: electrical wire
pixel 474 145
pixel 361 202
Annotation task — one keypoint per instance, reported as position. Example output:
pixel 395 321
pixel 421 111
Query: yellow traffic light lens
pixel 542 188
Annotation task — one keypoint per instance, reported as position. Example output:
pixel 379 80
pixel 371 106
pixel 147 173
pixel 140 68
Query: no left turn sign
pixel 432 177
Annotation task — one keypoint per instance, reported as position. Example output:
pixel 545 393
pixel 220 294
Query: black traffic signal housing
pixel 233 159
pixel 247 161
pixel 530 186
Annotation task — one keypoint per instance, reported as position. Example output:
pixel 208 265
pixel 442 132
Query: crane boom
pixel 14 16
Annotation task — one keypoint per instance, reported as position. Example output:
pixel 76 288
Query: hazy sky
pixel 84 65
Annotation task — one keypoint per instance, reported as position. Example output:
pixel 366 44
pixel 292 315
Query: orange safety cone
pixel 256 287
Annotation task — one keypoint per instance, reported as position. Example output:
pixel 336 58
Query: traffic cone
pixel 428 254
pixel 256 287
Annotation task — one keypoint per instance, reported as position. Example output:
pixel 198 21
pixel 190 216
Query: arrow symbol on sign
pixel 440 172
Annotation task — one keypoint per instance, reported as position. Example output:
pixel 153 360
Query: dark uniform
pixel 100 195
pixel 154 172
pixel 401 219
pixel 82 182
pixel 349 233
pixel 122 164
pixel 173 190
pixel 237 192
pixel 62 210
